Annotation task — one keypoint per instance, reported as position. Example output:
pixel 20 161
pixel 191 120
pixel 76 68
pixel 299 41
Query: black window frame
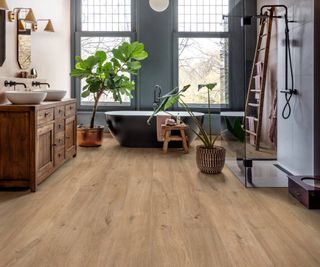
pixel 179 34
pixel 77 34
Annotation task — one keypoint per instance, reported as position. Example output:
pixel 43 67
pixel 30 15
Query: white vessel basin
pixel 25 97
pixel 54 95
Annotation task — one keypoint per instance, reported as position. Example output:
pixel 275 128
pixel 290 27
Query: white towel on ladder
pixel 257 80
pixel 252 129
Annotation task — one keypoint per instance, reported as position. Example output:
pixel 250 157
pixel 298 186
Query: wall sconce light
pixel 29 17
pixel 22 25
pixel 3 5
pixel 159 5
pixel 49 27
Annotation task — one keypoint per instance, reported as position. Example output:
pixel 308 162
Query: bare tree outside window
pixel 201 61
pixel 106 17
pixel 89 45
pixel 203 52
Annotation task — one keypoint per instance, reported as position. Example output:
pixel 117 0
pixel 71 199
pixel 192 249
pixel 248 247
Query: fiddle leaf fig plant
pixel 110 73
pixel 176 96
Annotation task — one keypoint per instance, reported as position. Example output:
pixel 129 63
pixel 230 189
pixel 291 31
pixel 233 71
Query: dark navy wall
pixel 155 30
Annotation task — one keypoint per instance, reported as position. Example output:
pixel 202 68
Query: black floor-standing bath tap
pixel 156 96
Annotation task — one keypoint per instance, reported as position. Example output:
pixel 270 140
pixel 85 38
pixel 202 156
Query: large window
pixel 103 25
pixel 203 49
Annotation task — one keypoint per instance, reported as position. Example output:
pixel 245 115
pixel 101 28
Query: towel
pixel 273 118
pixel 259 66
pixel 257 79
pixel 252 129
pixel 161 119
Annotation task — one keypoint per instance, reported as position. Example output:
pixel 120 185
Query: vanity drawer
pixel 59 126
pixel 45 115
pixel 59 112
pixel 59 156
pixel 59 140
pixel 70 110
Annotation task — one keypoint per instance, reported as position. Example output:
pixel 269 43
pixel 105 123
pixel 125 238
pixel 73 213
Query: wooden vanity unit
pixel 35 140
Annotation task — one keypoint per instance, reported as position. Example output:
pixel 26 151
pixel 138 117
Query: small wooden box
pixel 307 194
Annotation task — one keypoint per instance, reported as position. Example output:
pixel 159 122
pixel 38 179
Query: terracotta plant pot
pixel 211 161
pixel 90 137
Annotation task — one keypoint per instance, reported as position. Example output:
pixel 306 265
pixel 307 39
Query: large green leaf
pixel 79 73
pixel 209 86
pixel 138 51
pixel 101 55
pixel 85 93
pixel 236 129
pixel 118 54
pixel 171 102
pixel 134 66
pixel 89 63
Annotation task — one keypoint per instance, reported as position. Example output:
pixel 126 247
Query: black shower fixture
pixel 288 92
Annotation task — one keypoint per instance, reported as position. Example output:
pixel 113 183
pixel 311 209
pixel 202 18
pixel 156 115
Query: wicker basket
pixel 211 161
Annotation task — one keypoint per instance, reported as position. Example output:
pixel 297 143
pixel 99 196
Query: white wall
pixel 296 135
pixel 50 51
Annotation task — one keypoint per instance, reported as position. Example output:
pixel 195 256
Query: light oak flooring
pixel 116 206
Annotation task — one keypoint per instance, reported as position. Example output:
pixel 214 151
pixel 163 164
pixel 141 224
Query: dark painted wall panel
pixel 155 31
pixel 317 87
pixel 2 37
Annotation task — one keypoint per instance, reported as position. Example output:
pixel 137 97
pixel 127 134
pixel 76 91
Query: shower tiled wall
pixel 296 135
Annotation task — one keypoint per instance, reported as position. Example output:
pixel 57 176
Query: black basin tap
pixel 14 84
pixel 35 84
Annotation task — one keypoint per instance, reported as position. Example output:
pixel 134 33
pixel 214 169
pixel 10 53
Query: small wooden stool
pixel 168 137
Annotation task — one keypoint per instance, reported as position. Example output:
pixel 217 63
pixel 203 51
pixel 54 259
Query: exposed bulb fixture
pixel 22 25
pixel 159 5
pixel 49 27
pixel 29 17
pixel 3 5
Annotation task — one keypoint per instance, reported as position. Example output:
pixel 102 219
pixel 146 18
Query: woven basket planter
pixel 211 161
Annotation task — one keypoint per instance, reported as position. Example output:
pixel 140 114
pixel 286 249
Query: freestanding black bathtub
pixel 130 128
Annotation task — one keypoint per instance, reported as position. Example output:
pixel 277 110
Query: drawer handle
pixel 67 137
pixel 59 126
pixel 60 111
pixel 70 108
pixel 59 155
pixel 297 194
pixel 54 144
pixel 46 114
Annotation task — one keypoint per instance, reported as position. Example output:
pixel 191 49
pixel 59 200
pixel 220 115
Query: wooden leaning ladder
pixel 258 79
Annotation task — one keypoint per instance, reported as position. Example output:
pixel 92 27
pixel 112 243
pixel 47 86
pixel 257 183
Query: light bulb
pixel 159 5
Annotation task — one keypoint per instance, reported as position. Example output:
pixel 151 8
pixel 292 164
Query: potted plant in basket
pixel 107 73
pixel 210 158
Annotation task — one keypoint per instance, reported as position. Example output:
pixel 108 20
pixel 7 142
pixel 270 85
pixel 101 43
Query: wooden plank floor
pixel 116 206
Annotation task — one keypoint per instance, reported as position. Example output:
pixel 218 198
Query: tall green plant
pixel 109 73
pixel 176 96
pixel 236 129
